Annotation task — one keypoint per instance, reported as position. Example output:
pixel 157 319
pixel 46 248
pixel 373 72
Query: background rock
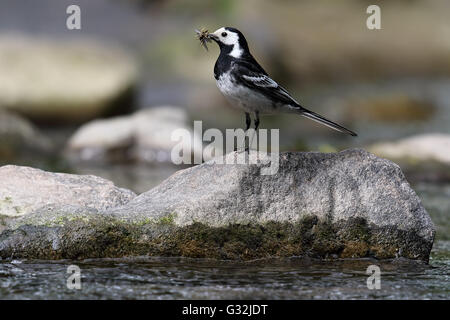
pixel 419 148
pixel 64 81
pixel 19 137
pixel 396 107
pixel 144 136
pixel 24 190
pixel 348 204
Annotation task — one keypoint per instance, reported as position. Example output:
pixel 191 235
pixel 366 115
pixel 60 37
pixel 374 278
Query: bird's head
pixel 231 41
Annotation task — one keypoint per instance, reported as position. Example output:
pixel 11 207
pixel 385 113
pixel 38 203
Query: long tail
pixel 318 118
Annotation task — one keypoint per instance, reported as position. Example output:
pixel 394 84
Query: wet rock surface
pixel 344 205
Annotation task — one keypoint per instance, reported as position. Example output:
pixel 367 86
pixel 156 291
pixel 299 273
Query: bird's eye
pixel 224 34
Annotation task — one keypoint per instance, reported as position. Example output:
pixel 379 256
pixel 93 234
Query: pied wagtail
pixel 245 83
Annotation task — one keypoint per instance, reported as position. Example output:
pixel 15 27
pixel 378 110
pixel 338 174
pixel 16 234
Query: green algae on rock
pixel 79 236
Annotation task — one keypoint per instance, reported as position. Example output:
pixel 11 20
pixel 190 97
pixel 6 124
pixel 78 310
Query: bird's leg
pixel 256 129
pixel 248 123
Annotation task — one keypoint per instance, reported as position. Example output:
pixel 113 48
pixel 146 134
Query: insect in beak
pixel 204 37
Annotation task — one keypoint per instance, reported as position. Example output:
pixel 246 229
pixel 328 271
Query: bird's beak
pixel 212 36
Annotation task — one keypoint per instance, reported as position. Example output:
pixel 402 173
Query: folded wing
pixel 253 76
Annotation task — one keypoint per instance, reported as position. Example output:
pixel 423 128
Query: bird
pixel 247 85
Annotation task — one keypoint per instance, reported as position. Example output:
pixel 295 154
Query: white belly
pixel 244 98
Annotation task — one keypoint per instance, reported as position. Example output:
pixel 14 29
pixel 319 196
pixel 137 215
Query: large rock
pixel 143 136
pixel 347 204
pixel 56 80
pixel 23 190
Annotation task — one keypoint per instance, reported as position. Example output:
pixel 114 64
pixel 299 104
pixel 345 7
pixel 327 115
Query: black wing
pixel 253 75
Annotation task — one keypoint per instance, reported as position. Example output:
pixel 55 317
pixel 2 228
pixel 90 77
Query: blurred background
pixel 103 100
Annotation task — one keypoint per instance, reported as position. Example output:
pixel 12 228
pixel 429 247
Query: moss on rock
pixel 99 236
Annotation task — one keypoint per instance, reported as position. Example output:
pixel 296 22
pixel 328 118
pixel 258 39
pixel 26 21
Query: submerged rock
pixel 347 204
pixel 24 190
pixel 144 136
pixel 70 81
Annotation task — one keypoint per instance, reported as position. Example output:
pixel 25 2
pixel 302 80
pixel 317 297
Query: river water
pixel 294 278
pixel 174 278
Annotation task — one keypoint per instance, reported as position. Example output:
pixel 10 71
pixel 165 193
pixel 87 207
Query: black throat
pixel 223 62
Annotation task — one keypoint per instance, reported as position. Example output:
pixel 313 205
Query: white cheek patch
pixel 232 39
